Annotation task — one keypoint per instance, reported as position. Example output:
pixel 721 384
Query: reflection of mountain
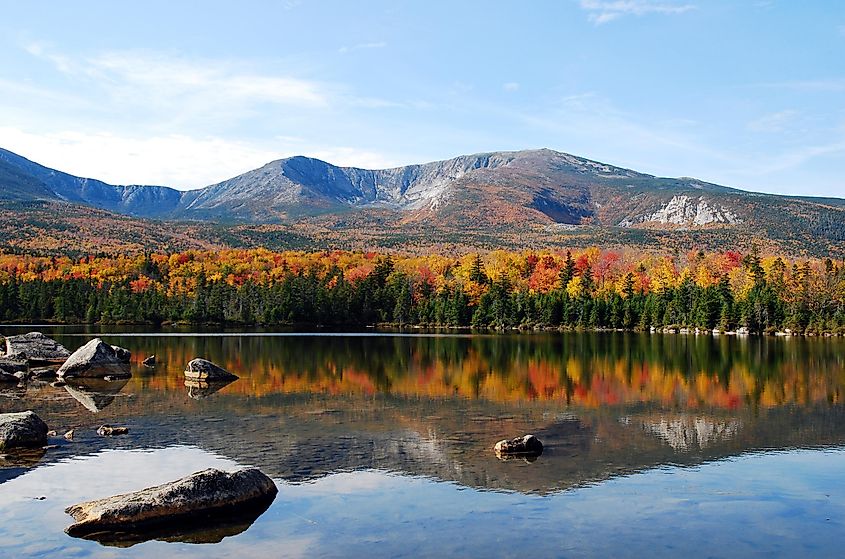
pixel 603 405
pixel 95 394
pixel 685 432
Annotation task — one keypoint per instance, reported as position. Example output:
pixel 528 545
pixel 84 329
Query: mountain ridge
pixel 495 194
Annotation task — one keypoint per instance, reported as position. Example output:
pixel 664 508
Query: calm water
pixel 381 445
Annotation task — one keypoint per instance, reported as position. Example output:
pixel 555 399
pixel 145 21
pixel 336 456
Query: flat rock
pixel 95 359
pixel 527 445
pixel 199 497
pixel 200 369
pixel 37 347
pixel 22 429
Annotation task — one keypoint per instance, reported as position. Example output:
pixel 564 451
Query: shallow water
pixel 381 444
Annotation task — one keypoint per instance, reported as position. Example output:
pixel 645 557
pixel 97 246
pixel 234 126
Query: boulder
pixel 200 369
pixel 200 497
pixel 39 349
pixel 22 429
pixel 525 445
pixel 95 359
pixel 150 361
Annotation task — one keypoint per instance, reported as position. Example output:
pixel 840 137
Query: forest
pixel 590 288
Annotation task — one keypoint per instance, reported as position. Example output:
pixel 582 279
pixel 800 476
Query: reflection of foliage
pixel 589 289
pixel 579 369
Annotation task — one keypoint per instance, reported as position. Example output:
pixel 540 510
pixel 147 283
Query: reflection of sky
pixel 782 503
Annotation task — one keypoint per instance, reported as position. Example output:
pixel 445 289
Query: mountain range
pixel 509 199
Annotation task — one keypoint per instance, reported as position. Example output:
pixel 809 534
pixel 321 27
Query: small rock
pixel 201 369
pixel 108 431
pixel 51 433
pixel 114 378
pixel 41 498
pixel 525 445
pixel 23 429
pixel 69 435
pixel 150 361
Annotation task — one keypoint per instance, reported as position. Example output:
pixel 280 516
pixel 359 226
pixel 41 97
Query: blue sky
pixel 747 94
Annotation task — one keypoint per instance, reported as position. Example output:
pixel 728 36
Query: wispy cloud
pixel 510 86
pixel 823 84
pixel 604 11
pixel 362 46
pixel 773 122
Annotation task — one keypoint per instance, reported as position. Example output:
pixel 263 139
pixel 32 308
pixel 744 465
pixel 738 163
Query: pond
pixel 381 444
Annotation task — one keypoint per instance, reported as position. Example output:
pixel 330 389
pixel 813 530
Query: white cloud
pixel 773 122
pixel 604 11
pixel 510 86
pixel 174 160
pixel 374 45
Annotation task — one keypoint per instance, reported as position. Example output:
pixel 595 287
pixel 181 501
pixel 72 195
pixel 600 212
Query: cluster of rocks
pixel 208 496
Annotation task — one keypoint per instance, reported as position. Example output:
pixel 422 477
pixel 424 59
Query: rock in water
pixel 12 370
pixel 22 429
pixel 199 497
pixel 150 361
pixel 37 347
pixel 200 369
pixel 109 431
pixel 95 359
pixel 528 445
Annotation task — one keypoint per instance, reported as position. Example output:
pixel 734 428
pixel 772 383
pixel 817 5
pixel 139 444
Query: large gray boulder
pixel 200 369
pixel 200 496
pixel 38 348
pixel 22 429
pixel 96 359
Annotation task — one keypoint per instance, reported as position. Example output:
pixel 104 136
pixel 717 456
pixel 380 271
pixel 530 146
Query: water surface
pixel 380 444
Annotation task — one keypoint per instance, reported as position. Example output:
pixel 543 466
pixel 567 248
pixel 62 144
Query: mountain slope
pixel 44 183
pixel 500 198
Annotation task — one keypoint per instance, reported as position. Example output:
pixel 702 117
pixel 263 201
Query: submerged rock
pixel 150 361
pixel 200 498
pixel 109 431
pixel 527 445
pixel 37 347
pixel 200 369
pixel 22 429
pixel 96 359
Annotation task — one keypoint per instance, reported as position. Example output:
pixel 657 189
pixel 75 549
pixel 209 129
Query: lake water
pixel 381 445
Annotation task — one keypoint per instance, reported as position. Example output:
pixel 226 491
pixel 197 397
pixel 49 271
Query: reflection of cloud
pixel 348 483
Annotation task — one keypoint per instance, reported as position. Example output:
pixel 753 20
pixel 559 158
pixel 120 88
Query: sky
pixel 749 94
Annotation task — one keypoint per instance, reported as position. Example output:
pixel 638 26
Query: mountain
pixel 520 198
pixel 32 181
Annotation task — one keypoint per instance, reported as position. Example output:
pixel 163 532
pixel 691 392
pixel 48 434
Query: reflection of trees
pixel 589 369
